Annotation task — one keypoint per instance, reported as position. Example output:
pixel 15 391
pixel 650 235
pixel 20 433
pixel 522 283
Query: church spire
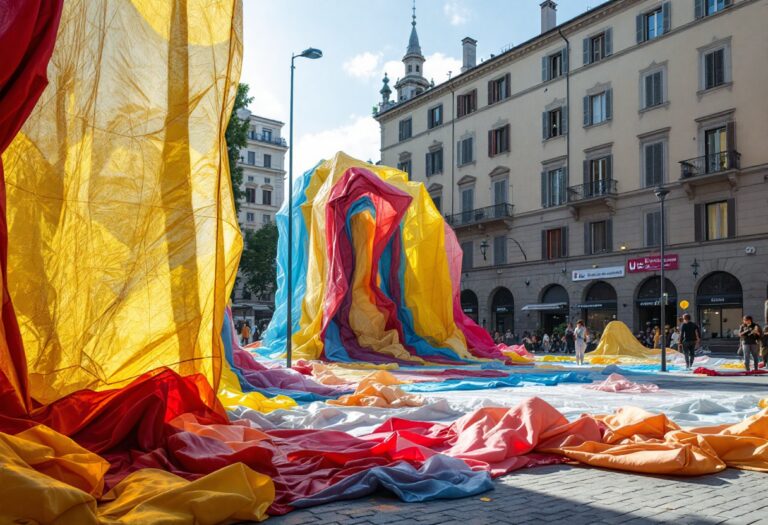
pixel 413 42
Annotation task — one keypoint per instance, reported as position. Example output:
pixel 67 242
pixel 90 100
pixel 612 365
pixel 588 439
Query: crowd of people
pixel 572 339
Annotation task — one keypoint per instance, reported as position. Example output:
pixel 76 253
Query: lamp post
pixel 313 54
pixel 661 194
pixel 484 249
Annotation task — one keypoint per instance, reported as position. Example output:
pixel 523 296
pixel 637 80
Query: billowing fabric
pixel 27 34
pixel 380 389
pixel 123 240
pixel 380 282
pixel 482 383
pixel 619 383
pixel 618 344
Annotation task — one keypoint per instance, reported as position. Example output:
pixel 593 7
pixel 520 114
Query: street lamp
pixel 661 194
pixel 484 249
pixel 313 54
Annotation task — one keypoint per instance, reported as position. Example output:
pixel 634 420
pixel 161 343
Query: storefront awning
pixel 544 306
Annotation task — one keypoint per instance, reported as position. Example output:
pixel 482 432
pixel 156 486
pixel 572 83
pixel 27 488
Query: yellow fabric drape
pixel 124 242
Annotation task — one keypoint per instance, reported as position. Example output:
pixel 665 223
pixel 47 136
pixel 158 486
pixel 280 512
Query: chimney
pixel 548 15
pixel 469 52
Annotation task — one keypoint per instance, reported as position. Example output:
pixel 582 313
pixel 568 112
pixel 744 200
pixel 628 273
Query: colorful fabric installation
pixel 380 280
pixel 619 383
pixel 619 345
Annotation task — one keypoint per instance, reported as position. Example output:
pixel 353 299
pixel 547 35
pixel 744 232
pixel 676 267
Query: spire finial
pixel 413 23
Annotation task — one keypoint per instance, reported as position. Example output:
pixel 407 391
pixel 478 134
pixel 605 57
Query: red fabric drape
pixel 27 35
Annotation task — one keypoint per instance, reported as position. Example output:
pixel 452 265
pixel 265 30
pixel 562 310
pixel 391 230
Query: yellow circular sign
pixel 684 304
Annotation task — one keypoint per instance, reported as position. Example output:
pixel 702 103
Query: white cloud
pixel 363 65
pixel 265 103
pixel 455 12
pixel 359 138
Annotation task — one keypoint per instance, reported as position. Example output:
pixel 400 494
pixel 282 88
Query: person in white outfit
pixel 581 334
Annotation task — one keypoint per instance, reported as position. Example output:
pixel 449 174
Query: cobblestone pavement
pixel 567 494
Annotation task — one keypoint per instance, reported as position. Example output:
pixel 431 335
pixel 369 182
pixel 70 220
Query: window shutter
pixel 564 185
pixel 609 167
pixel 698 8
pixel 666 9
pixel 544 244
pixel 544 69
pixel 730 137
pixel 698 221
pixel 640 25
pixel 587 238
pixel 490 143
pixel 491 98
pixel 459 153
pixel 545 125
pixel 440 161
pixel 731 218
pixel 585 165
pixel 544 190
pixel 508 85
pixel 609 235
pixel 658 80
pixel 609 104
pixel 564 241
pixel 587 118
pixel 564 59
pixel 660 162
pixel 608 41
pixel 586 52
pixel 507 134
pixel 648 179
pixel 564 119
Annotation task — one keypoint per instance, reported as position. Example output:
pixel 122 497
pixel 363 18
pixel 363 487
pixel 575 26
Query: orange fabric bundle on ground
pixel 379 389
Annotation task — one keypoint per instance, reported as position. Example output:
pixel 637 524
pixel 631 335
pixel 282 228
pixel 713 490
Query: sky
pixel 361 40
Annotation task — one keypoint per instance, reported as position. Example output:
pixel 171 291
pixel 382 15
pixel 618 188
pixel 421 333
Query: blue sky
pixel 360 40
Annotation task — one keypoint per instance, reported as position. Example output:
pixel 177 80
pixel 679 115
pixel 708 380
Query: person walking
pixel 656 337
pixel 570 345
pixel 674 339
pixel 580 335
pixel 749 335
pixel 690 336
pixel 545 343
pixel 245 334
pixel 764 346
pixel 508 339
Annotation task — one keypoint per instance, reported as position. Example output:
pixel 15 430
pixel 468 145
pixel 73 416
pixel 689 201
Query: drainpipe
pixel 567 106
pixel 453 148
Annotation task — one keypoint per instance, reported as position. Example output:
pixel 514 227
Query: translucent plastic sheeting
pixel 124 242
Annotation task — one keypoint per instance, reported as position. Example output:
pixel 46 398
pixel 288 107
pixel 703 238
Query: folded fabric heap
pixel 619 383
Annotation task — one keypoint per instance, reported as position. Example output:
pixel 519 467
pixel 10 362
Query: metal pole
pixel 289 262
pixel 661 194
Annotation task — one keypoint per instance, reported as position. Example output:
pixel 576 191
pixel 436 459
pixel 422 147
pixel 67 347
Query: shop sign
pixel 503 309
pixel 610 272
pixel 732 299
pixel 653 263
pixel 468 309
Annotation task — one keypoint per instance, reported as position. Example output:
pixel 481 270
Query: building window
pixel 652 229
pixel 598 47
pixel 250 217
pixel 405 165
pixel 250 178
pixel 465 151
pixel 267 161
pixel 598 108
pixel 467 204
pixel 714 68
pixel 717 220
pixel 553 188
pixel 405 129
pixel 266 134
pixel 435 162
pixel 710 7
pixel 250 195
pixel 437 200
pixel 267 180
pixel 653 89
pixel 653 164
pixel 653 24
pixel 500 250
pixel 417 68
pixel 435 116
pixel 251 158
pixel 554 243
pixel 498 140
pixel 499 89
pixel 597 176
pixel 252 133
pixel 598 237
pixel 266 197
pixel 266 218
pixel 553 66
pixel 410 68
pixel 553 123
pixel 466 256
pixel 466 104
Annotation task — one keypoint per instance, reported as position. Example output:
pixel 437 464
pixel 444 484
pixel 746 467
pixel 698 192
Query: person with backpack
pixel 690 337
pixel 749 335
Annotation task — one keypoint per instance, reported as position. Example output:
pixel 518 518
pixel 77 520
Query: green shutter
pixel 666 14
pixel 640 27
pixel 586 51
pixel 608 41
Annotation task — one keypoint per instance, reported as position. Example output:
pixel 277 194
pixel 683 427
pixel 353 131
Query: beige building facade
pixel 263 163
pixel 545 159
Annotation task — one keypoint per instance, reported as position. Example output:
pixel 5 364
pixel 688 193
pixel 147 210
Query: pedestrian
pixel 749 335
pixel 508 337
pixel 690 336
pixel 674 339
pixel 656 336
pixel 545 343
pixel 570 344
pixel 764 346
pixel 245 334
pixel 497 337
pixel 580 334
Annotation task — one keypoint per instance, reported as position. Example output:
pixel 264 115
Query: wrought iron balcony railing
pixel 712 163
pixel 590 190
pixel 476 216
pixel 269 139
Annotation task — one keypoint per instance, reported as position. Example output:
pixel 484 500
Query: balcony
pixel 715 167
pixel 268 139
pixel 497 212
pixel 596 192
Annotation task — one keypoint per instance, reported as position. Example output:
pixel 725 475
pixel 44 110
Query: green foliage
pixel 258 261
pixel 236 137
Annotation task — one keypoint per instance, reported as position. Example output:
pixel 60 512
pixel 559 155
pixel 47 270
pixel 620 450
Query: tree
pixel 236 137
pixel 258 262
